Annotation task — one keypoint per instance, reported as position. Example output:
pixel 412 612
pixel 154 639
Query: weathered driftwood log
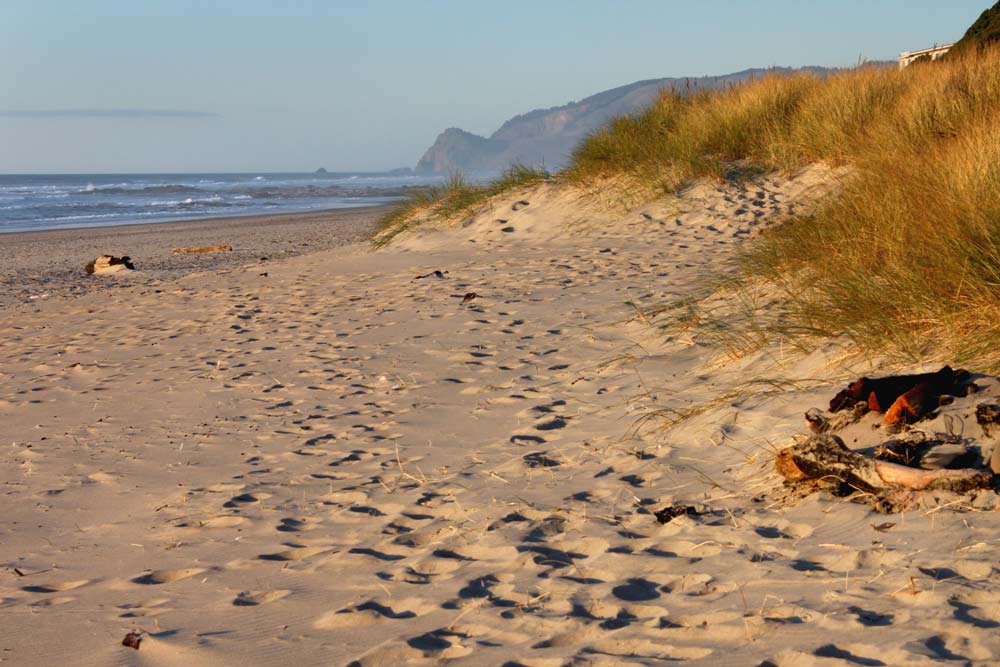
pixel 826 457
pixel 207 248
pixel 820 423
pixel 109 264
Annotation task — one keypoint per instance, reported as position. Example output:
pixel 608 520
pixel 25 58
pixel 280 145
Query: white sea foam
pixel 60 201
pixel 183 202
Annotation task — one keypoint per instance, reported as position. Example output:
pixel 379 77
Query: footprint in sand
pixel 254 598
pixel 150 607
pixel 373 611
pixel 56 588
pixel 167 576
pixel 637 590
pixel 552 423
pixel 527 440
pixel 53 602
pixel 246 499
pixel 549 408
pixel 377 555
pixel 295 553
pixel 225 521
pixel 540 460
pixel 291 525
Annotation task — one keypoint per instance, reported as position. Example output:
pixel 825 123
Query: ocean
pixel 62 201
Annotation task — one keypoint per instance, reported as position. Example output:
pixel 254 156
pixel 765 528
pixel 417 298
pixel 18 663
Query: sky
pixel 293 85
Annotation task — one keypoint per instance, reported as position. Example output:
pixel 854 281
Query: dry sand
pixel 339 463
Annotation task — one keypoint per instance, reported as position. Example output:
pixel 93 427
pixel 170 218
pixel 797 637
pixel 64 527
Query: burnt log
pixel 904 398
pixel 827 458
pixel 912 405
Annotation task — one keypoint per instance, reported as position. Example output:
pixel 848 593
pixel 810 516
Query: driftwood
pixel 826 458
pixel 903 398
pixel 109 264
pixel 988 416
pixel 207 248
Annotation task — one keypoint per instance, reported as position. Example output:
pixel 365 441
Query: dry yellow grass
pixel 906 256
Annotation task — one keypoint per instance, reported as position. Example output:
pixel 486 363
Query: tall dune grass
pixel 781 122
pixel 906 255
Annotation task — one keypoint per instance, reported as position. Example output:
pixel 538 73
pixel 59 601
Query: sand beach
pixel 448 451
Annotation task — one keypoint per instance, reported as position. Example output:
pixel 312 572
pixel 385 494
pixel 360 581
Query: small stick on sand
pixel 207 248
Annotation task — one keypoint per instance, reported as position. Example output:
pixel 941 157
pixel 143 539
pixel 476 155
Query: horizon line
pixel 106 113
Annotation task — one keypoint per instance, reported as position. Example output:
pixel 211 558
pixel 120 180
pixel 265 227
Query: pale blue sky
pixel 251 85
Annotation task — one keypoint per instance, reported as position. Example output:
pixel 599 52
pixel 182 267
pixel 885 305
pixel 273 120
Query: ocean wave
pixel 39 193
pixel 83 200
pixel 204 204
pixel 257 192
pixel 187 202
pixel 88 216
pixel 170 189
pixel 90 187
pixel 319 191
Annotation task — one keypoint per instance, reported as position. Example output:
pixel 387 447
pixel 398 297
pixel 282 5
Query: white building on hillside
pixel 935 52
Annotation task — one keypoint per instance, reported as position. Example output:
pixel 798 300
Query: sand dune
pixel 341 463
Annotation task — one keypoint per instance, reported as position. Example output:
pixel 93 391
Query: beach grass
pixel 456 197
pixel 904 256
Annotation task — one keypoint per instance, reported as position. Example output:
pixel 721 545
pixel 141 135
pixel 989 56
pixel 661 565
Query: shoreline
pixel 48 264
pixel 177 225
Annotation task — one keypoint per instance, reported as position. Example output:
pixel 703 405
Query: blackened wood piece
pixel 880 393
